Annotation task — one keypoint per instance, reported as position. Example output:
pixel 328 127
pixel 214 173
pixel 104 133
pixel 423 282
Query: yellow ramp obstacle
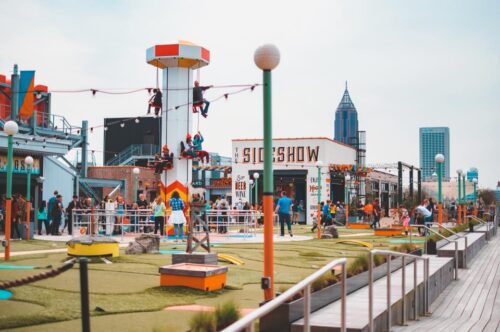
pixel 230 259
pixel 357 242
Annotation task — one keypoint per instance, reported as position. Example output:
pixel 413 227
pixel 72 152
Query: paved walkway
pixel 470 304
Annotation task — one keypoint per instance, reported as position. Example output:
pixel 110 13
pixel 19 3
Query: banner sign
pixel 19 165
pixel 26 93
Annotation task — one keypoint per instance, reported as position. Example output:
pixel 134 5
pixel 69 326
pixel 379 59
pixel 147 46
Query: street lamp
pixel 256 177
pixel 267 57
pixel 250 182
pixel 319 164
pixel 459 200
pixel 464 197
pixel 347 186
pixel 28 161
pixel 474 181
pixel 10 129
pixel 136 172
pixel 439 158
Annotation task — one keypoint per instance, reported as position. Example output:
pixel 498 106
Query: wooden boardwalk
pixel 470 304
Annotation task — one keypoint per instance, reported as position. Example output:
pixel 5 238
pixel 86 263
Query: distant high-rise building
pixel 434 140
pixel 346 121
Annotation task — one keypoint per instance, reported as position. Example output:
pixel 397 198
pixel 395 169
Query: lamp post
pixel 10 129
pixel 439 158
pixel 459 200
pixel 474 181
pixel 136 172
pixel 319 164
pixel 346 197
pixel 464 198
pixel 250 182
pixel 267 57
pixel 28 161
pixel 256 177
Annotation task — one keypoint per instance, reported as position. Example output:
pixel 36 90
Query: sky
pixel 409 64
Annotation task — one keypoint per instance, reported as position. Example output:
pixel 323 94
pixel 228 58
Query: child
pixel 404 218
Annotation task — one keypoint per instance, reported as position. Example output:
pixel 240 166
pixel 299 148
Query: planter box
pixel 280 319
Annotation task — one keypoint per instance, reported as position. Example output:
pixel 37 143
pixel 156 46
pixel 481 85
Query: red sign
pixel 221 183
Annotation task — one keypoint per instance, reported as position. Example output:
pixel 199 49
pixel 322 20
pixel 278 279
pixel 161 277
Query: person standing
pixel 50 206
pixel 43 218
pixel 178 218
pixel 57 212
pixel 425 214
pixel 159 214
pixel 377 213
pixel 74 204
pixel 283 209
pixel 18 213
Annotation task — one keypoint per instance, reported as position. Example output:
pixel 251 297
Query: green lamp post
pixel 10 128
pixel 319 164
pixel 459 199
pixel 136 171
pixel 347 200
pixel 250 189
pixel 28 161
pixel 267 57
pixel 439 158
pixel 256 178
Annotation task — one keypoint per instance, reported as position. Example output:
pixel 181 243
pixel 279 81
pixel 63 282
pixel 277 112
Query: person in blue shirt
pixel 50 207
pixel 283 208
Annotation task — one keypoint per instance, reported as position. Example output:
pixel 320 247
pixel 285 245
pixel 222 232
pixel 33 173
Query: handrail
pixel 444 238
pixel 389 254
pixel 460 236
pixel 473 217
pixel 246 323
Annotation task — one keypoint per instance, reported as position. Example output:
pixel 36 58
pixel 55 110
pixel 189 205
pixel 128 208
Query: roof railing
pixel 246 323
pixel 389 254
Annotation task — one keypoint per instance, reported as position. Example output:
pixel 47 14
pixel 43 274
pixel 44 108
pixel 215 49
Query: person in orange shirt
pixel 368 210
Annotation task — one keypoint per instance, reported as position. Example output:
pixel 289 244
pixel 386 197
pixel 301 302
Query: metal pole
pixel 389 316
pixel 370 292
pixel 426 286
pixel 415 290
pixel 307 308
pixel 403 290
pixel 440 194
pixel 456 259
pixel 84 292
pixel 257 191
pixel 135 187
pixel 8 198
pixel 318 217
pixel 268 190
pixel 343 299
pixel 464 200
pixel 28 201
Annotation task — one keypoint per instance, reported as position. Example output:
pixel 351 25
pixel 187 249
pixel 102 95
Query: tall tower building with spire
pixel 346 120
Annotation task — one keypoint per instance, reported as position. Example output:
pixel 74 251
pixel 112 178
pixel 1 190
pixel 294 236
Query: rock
pixel 144 244
pixel 326 236
pixel 331 230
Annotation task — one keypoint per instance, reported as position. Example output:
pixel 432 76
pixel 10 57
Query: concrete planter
pixel 281 318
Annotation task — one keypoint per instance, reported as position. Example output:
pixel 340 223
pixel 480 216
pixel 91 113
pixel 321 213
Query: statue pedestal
pixel 195 258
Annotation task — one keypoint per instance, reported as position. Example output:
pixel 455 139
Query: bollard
pixel 84 292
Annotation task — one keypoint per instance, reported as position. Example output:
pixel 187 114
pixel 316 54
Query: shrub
pixel 406 248
pixel 325 280
pixel 203 322
pixel 359 265
pixel 226 314
pixel 379 259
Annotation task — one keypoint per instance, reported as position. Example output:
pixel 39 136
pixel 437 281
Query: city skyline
pixel 406 69
pixel 433 141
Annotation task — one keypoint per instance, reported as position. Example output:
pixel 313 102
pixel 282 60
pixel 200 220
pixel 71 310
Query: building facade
pixel 346 121
pixel 434 140
pixel 295 170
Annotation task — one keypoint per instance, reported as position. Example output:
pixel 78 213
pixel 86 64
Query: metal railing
pixel 246 323
pixel 55 123
pixel 135 150
pixel 479 220
pixel 444 238
pixel 457 235
pixel 389 254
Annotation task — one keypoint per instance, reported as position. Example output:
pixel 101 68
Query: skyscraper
pixel 434 140
pixel 346 120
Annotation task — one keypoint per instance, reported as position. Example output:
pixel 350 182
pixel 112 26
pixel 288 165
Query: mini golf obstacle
pixel 388 231
pixel 93 246
pixel 359 225
pixel 198 276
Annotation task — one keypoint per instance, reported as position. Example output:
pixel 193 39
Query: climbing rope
pixel 37 277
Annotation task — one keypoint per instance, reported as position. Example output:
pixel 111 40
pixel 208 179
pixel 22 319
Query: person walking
pixel 74 204
pixel 43 218
pixel 178 218
pixel 50 207
pixel 377 213
pixel 159 214
pixel 283 209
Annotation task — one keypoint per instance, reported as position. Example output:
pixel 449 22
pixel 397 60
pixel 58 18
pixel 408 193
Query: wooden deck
pixel 470 304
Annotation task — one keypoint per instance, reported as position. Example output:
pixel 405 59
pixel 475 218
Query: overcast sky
pixel 408 63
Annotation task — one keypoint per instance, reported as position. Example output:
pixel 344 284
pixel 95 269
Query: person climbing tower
pixel 155 101
pixel 187 150
pixel 200 153
pixel 198 99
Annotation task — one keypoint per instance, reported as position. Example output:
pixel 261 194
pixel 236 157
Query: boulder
pixel 331 230
pixel 144 244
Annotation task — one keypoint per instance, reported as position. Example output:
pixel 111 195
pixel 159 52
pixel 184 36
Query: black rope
pixel 37 277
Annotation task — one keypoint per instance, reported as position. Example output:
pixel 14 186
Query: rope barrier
pixel 38 277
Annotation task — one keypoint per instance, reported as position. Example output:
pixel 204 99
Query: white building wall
pixel 289 154
pixel 57 177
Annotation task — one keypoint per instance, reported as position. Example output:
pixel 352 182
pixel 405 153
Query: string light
pixel 122 124
pixel 137 120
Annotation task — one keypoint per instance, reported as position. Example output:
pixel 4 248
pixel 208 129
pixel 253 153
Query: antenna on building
pixel 346 84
